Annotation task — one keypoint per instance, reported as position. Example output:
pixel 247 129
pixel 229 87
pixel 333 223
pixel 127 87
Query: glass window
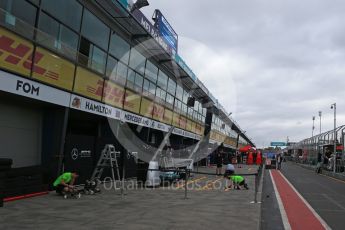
pixel 146 86
pixel 176 105
pixel 95 30
pixel 91 56
pixel 179 92
pixel 67 11
pixel 184 108
pixel 170 99
pixel 111 68
pixel 69 40
pixel 119 48
pixel 160 93
pixel 130 79
pixel 162 80
pixel 196 105
pixel 171 86
pixel 121 73
pixel 56 36
pixel 37 2
pixel 48 25
pixel 152 88
pixel 185 97
pixel 195 115
pixel 200 108
pixel 139 80
pixel 137 61
pixel 18 15
pixel 151 71
pixel 98 59
pixel 190 112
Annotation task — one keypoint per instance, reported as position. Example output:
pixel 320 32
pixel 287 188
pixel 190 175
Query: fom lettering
pixel 28 88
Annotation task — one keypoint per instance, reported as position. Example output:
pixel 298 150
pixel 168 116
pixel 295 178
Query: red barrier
pixel 250 160
pixel 258 159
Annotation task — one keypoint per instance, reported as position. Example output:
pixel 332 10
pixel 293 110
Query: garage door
pixel 20 134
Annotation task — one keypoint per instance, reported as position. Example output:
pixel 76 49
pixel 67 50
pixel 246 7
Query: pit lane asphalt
pixel 326 195
pixel 270 213
pixel 160 208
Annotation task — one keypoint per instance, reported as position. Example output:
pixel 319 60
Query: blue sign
pixel 138 15
pixel 278 144
pixel 165 30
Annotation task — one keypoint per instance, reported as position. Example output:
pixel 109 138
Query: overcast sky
pixel 273 63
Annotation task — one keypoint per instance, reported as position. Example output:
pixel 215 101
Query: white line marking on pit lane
pixel 281 206
pixel 323 223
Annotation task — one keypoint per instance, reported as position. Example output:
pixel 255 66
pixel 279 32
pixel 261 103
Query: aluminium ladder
pixel 107 159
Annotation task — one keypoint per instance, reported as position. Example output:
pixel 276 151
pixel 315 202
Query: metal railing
pixel 187 173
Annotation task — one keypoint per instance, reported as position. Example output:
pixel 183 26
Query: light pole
pixel 312 130
pixel 334 107
pixel 320 114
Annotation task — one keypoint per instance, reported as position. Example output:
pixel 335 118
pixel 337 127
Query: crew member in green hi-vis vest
pixel 238 182
pixel 65 183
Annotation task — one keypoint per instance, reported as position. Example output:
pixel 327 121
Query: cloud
pixel 273 63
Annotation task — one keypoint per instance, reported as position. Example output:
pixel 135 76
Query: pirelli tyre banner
pixel 88 84
pixel 113 94
pixel 132 101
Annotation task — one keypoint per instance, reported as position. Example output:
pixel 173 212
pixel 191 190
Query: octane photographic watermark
pixel 131 185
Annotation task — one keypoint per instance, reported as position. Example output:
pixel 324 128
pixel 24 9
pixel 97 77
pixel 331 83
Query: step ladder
pixel 108 159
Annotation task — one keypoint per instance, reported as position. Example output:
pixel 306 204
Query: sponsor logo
pixel 96 91
pixel 75 154
pixel 27 88
pixel 158 111
pixel 76 103
pixel 21 55
pixel 98 108
pixel 113 94
pixel 132 118
pixel 183 121
pixel 160 126
pixel 129 100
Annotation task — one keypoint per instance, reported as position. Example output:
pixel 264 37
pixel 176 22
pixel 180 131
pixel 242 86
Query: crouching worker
pixel 237 182
pixel 65 183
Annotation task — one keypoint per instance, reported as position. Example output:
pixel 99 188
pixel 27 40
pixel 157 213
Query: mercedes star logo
pixel 74 154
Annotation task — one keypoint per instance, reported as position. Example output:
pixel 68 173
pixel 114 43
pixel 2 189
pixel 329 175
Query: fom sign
pixel 27 88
